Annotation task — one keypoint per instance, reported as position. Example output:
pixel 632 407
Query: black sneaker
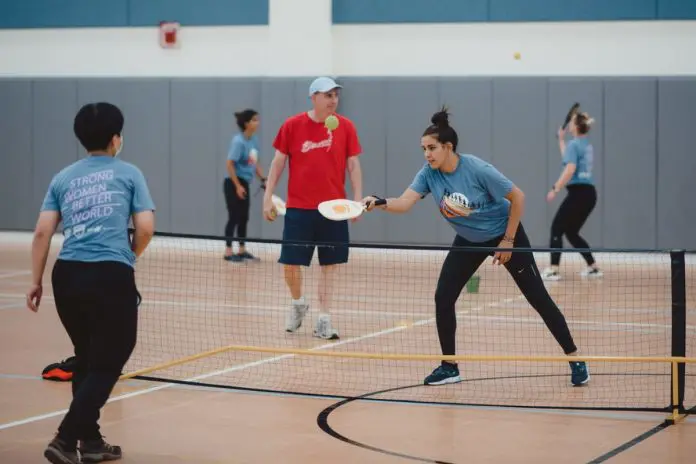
pixel 443 374
pixel 249 256
pixel 58 452
pixel 98 451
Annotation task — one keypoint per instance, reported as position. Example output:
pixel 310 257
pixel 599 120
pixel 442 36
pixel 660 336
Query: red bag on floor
pixel 60 371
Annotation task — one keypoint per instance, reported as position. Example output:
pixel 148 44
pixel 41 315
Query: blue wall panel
pixel 409 11
pixel 676 9
pixel 63 13
pixel 571 10
pixel 452 11
pixel 124 13
pixel 199 12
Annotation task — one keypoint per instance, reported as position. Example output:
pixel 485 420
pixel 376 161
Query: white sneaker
pixel 591 273
pixel 551 274
pixel 324 329
pixel 295 316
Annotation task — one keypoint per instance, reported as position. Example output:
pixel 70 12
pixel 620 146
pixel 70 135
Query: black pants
pixel 237 211
pixel 98 306
pixel 460 265
pixel 570 218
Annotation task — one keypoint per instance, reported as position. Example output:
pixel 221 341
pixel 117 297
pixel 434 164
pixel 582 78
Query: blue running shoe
pixel 445 373
pixel 580 375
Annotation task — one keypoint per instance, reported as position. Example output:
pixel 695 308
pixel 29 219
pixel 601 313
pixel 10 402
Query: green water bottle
pixel 472 286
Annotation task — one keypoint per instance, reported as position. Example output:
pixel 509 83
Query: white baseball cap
pixel 323 84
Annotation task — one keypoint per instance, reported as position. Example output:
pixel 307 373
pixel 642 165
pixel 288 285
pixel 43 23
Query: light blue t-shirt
pixel 580 152
pixel 96 197
pixel 242 152
pixel 472 198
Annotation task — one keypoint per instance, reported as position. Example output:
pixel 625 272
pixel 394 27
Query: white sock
pixel 300 301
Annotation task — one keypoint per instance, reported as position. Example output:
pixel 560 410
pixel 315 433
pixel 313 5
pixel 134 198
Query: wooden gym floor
pixel 194 301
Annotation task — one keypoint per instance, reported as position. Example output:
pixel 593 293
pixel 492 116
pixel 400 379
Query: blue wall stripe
pixel 199 12
pixel 676 9
pixel 124 13
pixel 572 10
pixel 408 11
pixel 62 13
pixel 448 11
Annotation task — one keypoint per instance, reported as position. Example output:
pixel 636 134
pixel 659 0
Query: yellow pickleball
pixel 331 122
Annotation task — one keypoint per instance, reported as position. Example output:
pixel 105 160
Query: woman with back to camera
pixel 578 159
pixel 93 278
pixel 241 165
pixel 484 208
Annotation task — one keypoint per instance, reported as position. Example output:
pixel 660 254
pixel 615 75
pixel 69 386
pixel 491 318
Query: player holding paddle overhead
pixel 484 208
pixel 320 146
pixel 581 199
pixel 93 278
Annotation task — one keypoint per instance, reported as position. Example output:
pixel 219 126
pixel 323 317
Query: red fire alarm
pixel 169 34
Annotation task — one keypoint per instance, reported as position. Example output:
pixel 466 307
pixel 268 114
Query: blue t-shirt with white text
pixel 244 154
pixel 471 198
pixel 580 152
pixel 96 196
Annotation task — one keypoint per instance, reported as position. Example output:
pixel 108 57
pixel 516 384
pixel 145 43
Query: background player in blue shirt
pixel 484 208
pixel 93 278
pixel 241 166
pixel 578 159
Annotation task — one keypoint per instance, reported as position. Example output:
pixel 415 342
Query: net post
pixel 678 273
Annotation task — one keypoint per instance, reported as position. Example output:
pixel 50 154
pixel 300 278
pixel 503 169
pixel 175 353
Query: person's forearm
pixel 232 172
pixel 565 176
pixel 561 146
pixel 397 205
pixel 516 212
pixel 39 255
pixel 141 240
pixel 355 174
pixel 274 173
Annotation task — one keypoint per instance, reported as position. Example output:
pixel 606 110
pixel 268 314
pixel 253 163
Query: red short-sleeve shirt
pixel 317 158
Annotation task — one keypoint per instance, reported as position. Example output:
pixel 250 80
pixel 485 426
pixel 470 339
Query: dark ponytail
pixel 441 130
pixel 243 117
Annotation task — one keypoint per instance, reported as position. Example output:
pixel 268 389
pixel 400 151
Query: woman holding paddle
pixel 484 208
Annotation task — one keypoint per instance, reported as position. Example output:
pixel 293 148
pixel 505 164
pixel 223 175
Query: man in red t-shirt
pixel 319 158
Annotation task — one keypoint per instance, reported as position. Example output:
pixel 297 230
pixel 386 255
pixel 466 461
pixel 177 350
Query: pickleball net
pixel 207 321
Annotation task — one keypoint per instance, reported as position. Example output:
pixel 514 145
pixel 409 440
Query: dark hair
pixel 96 124
pixel 243 117
pixel 441 130
pixel 583 122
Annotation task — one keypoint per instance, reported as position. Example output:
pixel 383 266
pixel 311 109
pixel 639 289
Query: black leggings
pixel 570 218
pixel 98 306
pixel 460 265
pixel 237 211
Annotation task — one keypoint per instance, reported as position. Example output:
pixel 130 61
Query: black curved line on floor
pixel 665 409
pixel 640 438
pixel 323 423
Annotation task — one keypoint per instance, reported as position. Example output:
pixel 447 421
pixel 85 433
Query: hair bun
pixel 441 118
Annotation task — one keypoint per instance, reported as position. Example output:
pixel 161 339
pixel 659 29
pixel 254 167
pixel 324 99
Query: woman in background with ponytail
pixel 484 208
pixel 242 164
pixel 578 159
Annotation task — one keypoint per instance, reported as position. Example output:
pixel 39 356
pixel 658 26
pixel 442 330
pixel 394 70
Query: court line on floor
pixel 254 309
pixel 8 275
pixel 595 414
pixel 239 367
pixel 631 443
pixel 12 305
